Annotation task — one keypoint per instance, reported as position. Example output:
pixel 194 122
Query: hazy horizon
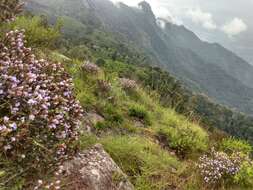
pixel 212 21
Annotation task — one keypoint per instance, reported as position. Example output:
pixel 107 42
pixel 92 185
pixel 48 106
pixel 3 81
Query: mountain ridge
pixel 85 108
pixel 202 66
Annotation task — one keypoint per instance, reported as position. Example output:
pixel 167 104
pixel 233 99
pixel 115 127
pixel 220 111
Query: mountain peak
pixel 145 6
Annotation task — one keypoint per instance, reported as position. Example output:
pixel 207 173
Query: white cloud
pixel 164 13
pixel 204 18
pixel 161 23
pixel 179 12
pixel 158 8
pixel 234 27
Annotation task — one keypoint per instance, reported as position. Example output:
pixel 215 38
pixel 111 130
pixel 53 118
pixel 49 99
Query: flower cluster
pixel 104 86
pixel 90 68
pixel 128 84
pixel 218 166
pixel 9 9
pixel 54 184
pixel 37 102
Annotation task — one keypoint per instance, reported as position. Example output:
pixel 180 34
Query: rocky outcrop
pixel 91 119
pixel 94 169
pixel 94 118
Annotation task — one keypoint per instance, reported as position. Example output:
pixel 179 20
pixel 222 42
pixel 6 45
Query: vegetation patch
pixel 141 159
pixel 139 112
pixel 179 134
pixel 231 145
pixel 219 169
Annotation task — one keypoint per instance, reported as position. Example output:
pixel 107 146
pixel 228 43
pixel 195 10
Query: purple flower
pixel 7 147
pixel 35 88
pixel 52 126
pixel 2 127
pixel 13 139
pixel 6 119
pixel 14 79
pixel 32 102
pixel 13 126
pixel 31 117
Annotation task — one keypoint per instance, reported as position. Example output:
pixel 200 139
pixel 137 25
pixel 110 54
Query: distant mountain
pixel 202 66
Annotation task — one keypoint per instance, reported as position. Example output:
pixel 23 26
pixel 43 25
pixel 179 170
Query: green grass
pixel 144 161
pixel 139 112
pixel 37 35
pixel 121 109
pixel 180 134
pixel 231 145
pixel 86 141
pixel 133 149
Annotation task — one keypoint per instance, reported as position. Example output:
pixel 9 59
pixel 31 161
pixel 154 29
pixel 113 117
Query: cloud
pixel 178 12
pixel 234 27
pixel 161 23
pixel 158 8
pixel 204 18
pixel 165 14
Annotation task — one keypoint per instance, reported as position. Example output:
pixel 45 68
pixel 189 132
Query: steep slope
pixel 212 76
pixel 214 53
pixel 92 35
pixel 204 67
pixel 121 105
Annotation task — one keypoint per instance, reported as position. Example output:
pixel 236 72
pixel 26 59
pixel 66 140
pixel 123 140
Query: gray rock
pixel 94 169
pixel 91 119
pixel 94 118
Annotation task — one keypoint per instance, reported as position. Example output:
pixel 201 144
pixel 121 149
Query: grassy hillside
pixel 125 110
pixel 202 66
pixel 156 147
pixel 85 35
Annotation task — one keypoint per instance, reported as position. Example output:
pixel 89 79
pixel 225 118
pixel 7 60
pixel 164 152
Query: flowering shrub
pixel 128 84
pixel 219 166
pixel 37 104
pixel 54 184
pixel 104 86
pixel 8 10
pixel 90 68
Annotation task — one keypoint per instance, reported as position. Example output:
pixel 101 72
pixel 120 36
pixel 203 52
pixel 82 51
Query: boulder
pixel 94 169
pixel 94 118
pixel 91 119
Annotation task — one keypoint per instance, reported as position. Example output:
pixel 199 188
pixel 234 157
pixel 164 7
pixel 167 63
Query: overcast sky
pixel 229 22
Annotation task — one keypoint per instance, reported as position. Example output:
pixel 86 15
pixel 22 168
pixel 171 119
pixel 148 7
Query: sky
pixel 228 22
